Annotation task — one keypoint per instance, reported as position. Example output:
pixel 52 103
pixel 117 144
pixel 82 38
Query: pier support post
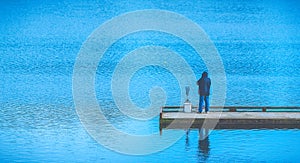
pixel 232 109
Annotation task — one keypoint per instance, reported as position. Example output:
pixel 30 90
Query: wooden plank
pixel 239 108
pixel 233 115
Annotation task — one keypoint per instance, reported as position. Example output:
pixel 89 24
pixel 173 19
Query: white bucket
pixel 187 107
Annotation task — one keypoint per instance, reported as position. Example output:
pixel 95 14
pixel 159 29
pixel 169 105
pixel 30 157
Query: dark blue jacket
pixel 204 86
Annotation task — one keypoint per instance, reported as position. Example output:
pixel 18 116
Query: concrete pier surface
pixel 231 120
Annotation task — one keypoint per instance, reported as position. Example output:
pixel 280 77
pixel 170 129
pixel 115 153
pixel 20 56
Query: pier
pixel 232 117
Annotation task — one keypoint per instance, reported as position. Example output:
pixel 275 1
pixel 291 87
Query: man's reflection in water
pixel 203 144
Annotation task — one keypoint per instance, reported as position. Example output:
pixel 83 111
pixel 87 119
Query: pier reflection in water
pixel 230 145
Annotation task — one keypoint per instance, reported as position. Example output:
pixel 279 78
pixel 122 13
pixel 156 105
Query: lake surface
pixel 258 42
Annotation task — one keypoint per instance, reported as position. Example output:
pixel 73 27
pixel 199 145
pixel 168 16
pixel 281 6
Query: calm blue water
pixel 258 41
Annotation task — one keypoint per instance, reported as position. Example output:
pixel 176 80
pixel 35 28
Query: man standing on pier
pixel 204 89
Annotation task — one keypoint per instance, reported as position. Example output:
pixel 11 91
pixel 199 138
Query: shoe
pixel 207 112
